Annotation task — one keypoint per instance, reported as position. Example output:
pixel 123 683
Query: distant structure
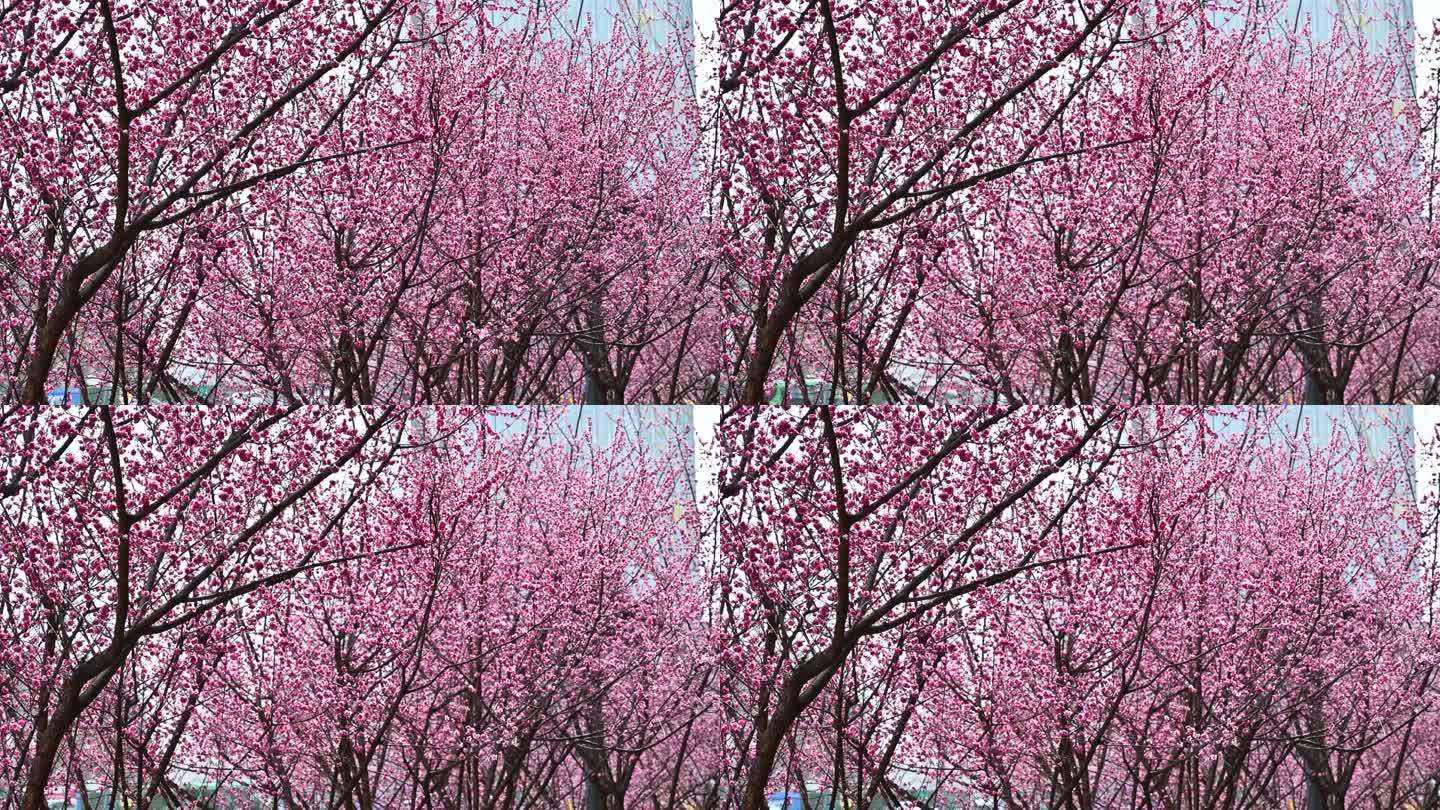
pixel 1381 429
pixel 1380 21
pixel 661 22
pixel 657 427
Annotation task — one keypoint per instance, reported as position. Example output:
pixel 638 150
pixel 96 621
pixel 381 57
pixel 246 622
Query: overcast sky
pixel 1425 13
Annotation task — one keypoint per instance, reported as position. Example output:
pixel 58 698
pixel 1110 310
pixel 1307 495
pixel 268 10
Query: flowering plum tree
pixel 1018 607
pixel 843 525
pixel 846 130
pixel 460 202
pixel 129 129
pixel 1252 650
pixel 533 244
pixel 542 635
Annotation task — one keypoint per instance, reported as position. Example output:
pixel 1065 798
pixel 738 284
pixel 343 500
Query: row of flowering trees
pixel 1076 609
pixel 347 608
pixel 1076 202
pixel 399 202
pixel 926 608
pixel 352 202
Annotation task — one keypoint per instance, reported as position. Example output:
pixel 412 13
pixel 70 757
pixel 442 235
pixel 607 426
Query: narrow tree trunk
pixel 767 748
pixel 47 748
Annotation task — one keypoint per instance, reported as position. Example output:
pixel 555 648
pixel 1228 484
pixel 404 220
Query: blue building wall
pixel 661 21
pixel 1379 20
pixel 1386 431
pixel 657 428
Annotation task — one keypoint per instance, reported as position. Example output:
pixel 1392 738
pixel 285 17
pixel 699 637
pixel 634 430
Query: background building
pixel 663 22
pixel 1380 21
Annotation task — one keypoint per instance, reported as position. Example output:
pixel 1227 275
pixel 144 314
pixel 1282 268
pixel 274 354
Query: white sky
pixel 1427 461
pixel 705 12
pixel 1426 11
pixel 707 462
pixel 1426 418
